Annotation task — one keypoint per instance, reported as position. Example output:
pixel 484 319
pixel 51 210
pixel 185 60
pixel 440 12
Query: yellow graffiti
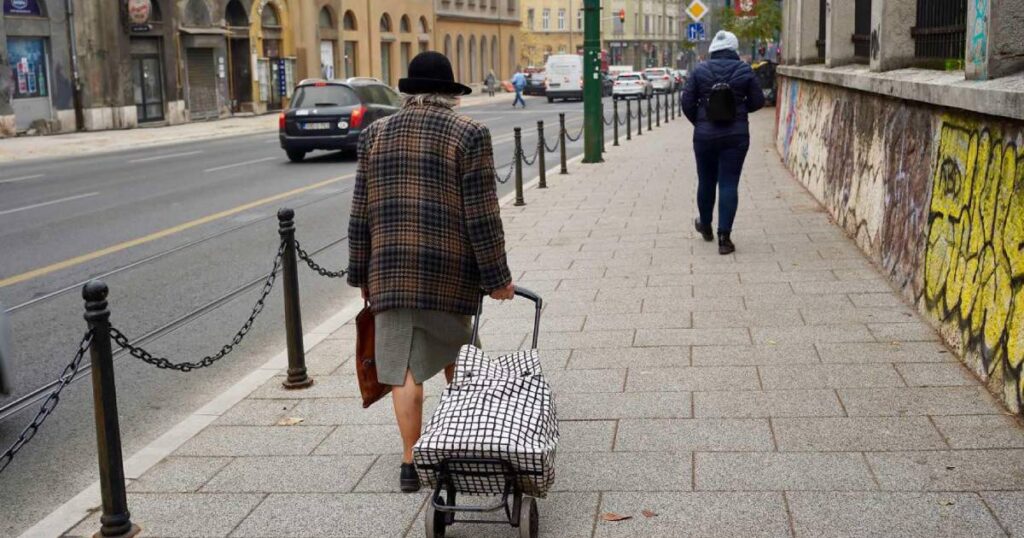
pixel 974 263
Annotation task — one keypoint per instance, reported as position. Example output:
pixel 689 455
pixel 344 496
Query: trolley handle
pixel 522 292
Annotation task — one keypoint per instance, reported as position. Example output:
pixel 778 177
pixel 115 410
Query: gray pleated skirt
pixel 421 341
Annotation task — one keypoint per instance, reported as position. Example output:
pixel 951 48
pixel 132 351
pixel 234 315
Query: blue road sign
pixel 695 31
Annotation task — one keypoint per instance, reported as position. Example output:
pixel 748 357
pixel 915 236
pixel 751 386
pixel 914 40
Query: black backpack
pixel 722 103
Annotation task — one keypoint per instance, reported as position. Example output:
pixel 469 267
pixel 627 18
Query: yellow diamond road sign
pixel 696 10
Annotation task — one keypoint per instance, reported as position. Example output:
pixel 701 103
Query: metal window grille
pixel 821 30
pixel 862 29
pixel 940 30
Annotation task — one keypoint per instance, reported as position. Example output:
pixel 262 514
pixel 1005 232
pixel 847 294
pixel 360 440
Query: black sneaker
pixel 725 245
pixel 408 480
pixel 705 231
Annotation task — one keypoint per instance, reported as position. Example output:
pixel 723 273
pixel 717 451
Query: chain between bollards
pixel 629 120
pixel 297 376
pixel 116 519
pixel 615 121
pixel 518 158
pixel 541 150
pixel 561 142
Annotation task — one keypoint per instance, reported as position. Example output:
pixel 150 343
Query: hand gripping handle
pixel 522 292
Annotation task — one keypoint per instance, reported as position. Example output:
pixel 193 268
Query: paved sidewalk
pixel 86 143
pixel 784 390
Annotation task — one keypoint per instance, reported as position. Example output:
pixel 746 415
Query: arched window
pixel 235 14
pixel 270 18
pixel 155 13
pixel 472 58
pixel 197 14
pixel 494 56
pixel 404 25
pixel 511 54
pixel 460 55
pixel 385 23
pixel 483 56
pixel 326 19
pixel 348 22
pixel 448 47
pixel 424 28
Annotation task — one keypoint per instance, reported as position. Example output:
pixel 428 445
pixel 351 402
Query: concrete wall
pixel 936 197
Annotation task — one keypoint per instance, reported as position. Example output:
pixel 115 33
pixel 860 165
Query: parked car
pixel 631 86
pixel 661 79
pixel 564 77
pixel 330 114
pixel 535 84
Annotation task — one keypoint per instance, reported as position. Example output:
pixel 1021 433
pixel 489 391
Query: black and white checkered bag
pixel 495 408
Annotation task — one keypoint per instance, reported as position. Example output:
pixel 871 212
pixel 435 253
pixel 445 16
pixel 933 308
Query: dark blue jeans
pixel 519 98
pixel 719 164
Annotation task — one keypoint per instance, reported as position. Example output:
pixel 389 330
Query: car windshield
pixel 329 95
pixel 628 77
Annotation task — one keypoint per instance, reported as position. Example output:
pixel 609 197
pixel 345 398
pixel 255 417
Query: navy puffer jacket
pixel 723 66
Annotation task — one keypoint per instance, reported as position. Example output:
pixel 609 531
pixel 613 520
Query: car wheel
pixel 551 99
pixel 295 156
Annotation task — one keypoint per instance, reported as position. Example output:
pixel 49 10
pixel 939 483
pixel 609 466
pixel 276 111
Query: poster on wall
pixel 22 7
pixel 746 8
pixel 27 57
pixel 327 59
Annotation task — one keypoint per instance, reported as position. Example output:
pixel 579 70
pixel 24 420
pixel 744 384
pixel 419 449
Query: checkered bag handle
pixel 522 292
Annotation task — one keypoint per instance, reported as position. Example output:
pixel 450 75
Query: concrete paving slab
pixel 789 276
pixel 328 356
pixel 851 314
pixel 290 474
pixel 747 318
pixel 863 352
pixel 338 411
pixel 663 320
pixel 586 339
pixel 256 413
pixel 623 405
pixel 332 386
pixel 636 357
pixel 919 401
pixel 948 374
pixel 181 515
pixel 362 439
pixel 690 304
pixel 681 435
pixel 582 381
pixel 852 514
pixel 953 470
pixel 692 337
pixel 769 403
pixel 254 441
pixel 178 475
pixel 565 515
pixel 586 435
pixel 811 334
pixel 903 332
pixel 755 354
pixel 1008 506
pixel 981 431
pixel 331 515
pixel 701 514
pixel 623 471
pixel 856 433
pixel 692 378
pixel 813 376
pixel 779 471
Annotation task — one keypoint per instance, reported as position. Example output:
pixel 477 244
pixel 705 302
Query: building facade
pixel 380 37
pixel 650 35
pixel 550 27
pixel 479 36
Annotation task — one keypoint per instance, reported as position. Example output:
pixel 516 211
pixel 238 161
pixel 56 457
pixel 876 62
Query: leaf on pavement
pixel 290 421
pixel 649 513
pixel 612 516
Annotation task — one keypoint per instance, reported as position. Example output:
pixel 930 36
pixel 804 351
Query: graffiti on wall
pixel 974 262
pixel 978 51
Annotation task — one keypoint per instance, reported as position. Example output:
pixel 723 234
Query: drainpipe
pixel 76 78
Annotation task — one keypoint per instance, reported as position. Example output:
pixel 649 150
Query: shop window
pixel 940 31
pixel 348 22
pixel 27 57
pixel 24 8
pixel 236 15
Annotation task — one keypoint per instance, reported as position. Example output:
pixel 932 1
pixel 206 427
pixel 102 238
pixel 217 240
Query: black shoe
pixel 408 480
pixel 725 245
pixel 705 231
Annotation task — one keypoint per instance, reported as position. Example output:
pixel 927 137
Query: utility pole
pixel 593 125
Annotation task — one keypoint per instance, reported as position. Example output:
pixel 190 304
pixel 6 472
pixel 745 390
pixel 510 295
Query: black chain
pixel 574 138
pixel 316 266
pixel 121 340
pixel 527 161
pixel 552 149
pixel 508 175
pixel 50 404
pixel 606 122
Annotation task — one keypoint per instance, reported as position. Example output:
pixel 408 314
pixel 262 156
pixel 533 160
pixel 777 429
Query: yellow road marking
pixel 71 262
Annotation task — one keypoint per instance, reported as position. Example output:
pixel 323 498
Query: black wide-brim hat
pixel 431 72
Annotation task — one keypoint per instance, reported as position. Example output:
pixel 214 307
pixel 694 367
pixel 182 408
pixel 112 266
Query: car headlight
pixel 342 124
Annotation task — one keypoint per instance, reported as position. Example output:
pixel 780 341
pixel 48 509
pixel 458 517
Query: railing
pixel 101 336
pixel 861 30
pixel 940 31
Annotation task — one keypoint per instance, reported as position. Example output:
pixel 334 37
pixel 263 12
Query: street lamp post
pixel 592 122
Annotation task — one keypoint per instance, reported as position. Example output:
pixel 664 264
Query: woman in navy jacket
pixel 720 147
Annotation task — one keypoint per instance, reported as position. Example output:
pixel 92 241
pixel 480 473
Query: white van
pixel 564 77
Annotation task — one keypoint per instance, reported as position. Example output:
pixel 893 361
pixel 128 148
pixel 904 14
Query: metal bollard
pixel 629 120
pixel 657 106
pixel 518 158
pixel 116 520
pixel 540 156
pixel 561 141
pixel 649 118
pixel 297 378
pixel 672 104
pixel 639 118
pixel 615 122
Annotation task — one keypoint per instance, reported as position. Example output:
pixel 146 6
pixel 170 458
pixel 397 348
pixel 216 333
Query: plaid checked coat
pixel 425 230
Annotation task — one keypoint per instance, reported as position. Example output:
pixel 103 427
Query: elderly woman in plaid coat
pixel 425 237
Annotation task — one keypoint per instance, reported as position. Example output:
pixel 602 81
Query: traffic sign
pixel 695 31
pixel 696 10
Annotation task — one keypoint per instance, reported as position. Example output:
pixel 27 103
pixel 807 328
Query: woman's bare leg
pixel 408 402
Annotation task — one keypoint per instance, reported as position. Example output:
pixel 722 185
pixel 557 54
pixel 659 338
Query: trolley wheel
pixel 529 519
pixel 435 520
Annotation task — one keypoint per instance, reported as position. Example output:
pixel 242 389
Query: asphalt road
pixel 181 233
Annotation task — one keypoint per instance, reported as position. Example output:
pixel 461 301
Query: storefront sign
pixel 22 7
pixel 282 77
